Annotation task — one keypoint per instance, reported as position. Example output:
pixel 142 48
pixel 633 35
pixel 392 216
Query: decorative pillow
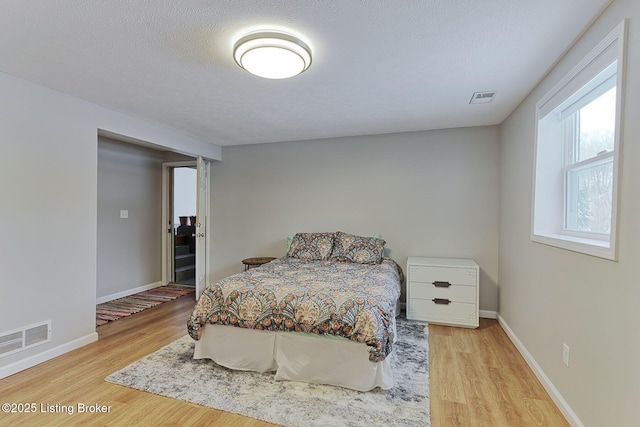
pixel 312 246
pixel 289 240
pixel 352 248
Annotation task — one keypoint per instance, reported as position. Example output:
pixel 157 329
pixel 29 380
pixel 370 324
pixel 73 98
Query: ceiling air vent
pixel 483 97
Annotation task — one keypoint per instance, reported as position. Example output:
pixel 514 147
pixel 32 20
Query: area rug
pixel 172 372
pixel 122 307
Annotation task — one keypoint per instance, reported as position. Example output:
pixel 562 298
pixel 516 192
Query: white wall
pixel 48 188
pixel 550 296
pixel 129 250
pixel 428 193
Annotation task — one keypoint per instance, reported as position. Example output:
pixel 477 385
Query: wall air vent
pixel 483 97
pixel 23 338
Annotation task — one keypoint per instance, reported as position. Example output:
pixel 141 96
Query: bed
pixel 324 313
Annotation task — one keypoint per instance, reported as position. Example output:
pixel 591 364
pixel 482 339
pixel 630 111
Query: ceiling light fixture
pixel 272 55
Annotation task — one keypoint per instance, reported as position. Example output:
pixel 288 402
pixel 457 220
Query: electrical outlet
pixel 565 354
pixel 124 214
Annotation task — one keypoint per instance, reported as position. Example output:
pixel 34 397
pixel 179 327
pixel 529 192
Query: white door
pixel 202 213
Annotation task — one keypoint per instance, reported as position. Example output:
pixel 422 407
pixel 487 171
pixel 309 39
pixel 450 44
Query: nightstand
pixel 443 291
pixel 255 262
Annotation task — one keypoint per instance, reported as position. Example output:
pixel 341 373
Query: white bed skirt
pixel 295 357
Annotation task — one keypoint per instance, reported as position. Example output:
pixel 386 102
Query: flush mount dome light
pixel 272 55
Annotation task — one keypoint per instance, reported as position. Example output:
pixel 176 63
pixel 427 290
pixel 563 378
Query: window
pixel 589 135
pixel 577 154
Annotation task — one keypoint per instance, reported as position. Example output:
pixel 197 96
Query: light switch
pixel 124 213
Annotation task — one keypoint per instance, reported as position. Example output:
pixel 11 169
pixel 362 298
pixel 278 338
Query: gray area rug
pixel 172 372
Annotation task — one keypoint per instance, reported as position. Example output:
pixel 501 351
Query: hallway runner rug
pixel 123 307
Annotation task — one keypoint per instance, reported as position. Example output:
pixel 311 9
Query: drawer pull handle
pixel 438 284
pixel 441 301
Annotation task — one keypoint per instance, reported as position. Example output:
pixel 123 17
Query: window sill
pixel 597 248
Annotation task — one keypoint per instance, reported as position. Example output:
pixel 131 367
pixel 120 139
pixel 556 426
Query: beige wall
pixel 129 250
pixel 428 193
pixel 48 179
pixel 550 296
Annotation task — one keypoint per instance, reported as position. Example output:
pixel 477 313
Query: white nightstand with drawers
pixel 443 291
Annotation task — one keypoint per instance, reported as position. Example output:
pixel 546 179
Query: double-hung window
pixel 577 154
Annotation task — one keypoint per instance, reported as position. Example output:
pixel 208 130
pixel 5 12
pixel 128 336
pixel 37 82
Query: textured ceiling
pixel 378 66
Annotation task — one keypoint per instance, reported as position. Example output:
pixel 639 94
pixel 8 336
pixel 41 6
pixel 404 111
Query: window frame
pixel 548 214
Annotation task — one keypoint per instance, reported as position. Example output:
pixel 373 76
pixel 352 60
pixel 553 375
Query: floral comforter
pixel 350 300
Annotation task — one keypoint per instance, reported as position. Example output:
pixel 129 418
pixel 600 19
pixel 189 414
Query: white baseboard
pixel 36 359
pixel 488 314
pixel 564 407
pixel 128 292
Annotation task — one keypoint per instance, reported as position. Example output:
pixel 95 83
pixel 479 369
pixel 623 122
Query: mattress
pixel 348 300
pixel 326 322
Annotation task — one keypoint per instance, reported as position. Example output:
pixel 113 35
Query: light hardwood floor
pixel 477 379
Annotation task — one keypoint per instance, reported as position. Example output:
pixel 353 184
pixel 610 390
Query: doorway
pixel 183 221
pixel 171 221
